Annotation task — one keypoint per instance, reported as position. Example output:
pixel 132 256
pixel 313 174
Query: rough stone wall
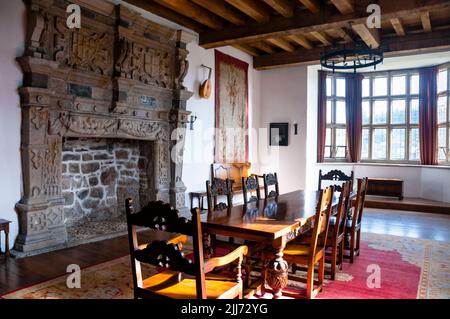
pixel 98 175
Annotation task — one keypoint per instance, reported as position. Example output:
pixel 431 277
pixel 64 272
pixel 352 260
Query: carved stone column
pixel 40 210
pixel 178 118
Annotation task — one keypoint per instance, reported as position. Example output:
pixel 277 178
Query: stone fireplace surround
pixel 111 91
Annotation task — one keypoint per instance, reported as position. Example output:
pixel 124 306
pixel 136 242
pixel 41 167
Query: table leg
pixel 7 241
pixel 276 270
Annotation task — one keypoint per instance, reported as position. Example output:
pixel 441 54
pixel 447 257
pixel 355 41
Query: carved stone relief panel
pixel 145 64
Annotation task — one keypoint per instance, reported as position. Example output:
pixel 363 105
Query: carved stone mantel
pixel 118 76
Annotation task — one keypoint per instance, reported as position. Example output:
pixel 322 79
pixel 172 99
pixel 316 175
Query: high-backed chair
pixel 313 253
pixel 336 179
pixel 271 189
pixel 180 278
pixel 250 189
pixel 215 190
pixel 353 225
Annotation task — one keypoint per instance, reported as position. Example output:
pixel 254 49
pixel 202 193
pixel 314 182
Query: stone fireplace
pixel 103 118
pixel 97 176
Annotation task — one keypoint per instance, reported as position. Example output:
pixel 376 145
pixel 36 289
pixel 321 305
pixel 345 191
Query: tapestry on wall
pixel 231 109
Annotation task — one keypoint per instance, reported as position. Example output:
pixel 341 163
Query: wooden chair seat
pixel 166 285
pixel 296 249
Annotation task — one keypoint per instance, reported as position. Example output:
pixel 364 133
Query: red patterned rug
pixel 388 267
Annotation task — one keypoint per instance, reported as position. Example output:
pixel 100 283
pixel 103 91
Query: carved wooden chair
pixel 216 189
pixel 337 178
pixel 336 231
pixel 250 189
pixel 353 225
pixel 271 181
pixel 313 252
pixel 180 278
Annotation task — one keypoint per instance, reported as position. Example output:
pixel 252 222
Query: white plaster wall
pixel 284 99
pixel 12 37
pixel 199 153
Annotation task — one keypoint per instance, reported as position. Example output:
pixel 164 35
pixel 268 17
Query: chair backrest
pixel 360 201
pixel 216 189
pixel 250 189
pixel 337 177
pixel 341 216
pixel 232 171
pixel 321 221
pixel 162 217
pixel 271 181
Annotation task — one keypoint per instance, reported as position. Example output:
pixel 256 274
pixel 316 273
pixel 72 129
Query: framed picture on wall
pixel 279 134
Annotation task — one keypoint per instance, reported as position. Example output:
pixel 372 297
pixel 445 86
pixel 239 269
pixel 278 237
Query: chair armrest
pixel 179 241
pixel 238 253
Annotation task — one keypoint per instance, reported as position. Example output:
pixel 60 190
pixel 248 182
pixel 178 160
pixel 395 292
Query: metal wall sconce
pixel 295 128
pixel 191 122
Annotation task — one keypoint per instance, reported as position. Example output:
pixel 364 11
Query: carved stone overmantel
pixel 118 76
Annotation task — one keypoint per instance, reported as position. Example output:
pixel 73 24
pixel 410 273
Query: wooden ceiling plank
pixel 222 9
pixel 398 27
pixel 311 5
pixel 168 14
pixel 370 36
pixel 395 46
pixel 252 8
pixel 344 6
pixel 281 43
pixel 344 35
pixel 300 39
pixel 322 37
pixel 193 11
pixel 247 49
pixel 263 47
pixel 283 7
pixel 426 21
pixel 305 22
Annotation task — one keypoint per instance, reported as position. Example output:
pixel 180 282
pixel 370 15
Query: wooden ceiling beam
pixel 393 46
pixel 281 43
pixel 300 39
pixel 370 36
pixel 222 9
pixel 252 8
pixel 305 22
pixel 344 35
pixel 247 49
pixel 168 14
pixel 193 11
pixel 311 5
pixel 283 7
pixel 263 47
pixel 398 27
pixel 426 21
pixel 322 37
pixel 344 6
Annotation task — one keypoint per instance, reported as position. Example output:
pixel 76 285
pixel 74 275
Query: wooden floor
pixel 19 273
pixel 408 204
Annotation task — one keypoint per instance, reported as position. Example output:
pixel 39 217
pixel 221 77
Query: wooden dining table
pixel 273 222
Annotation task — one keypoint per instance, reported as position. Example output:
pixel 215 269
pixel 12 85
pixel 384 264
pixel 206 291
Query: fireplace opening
pixel 97 176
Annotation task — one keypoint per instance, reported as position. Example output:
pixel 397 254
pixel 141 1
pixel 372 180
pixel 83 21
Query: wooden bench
pixel 4 226
pixel 388 187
